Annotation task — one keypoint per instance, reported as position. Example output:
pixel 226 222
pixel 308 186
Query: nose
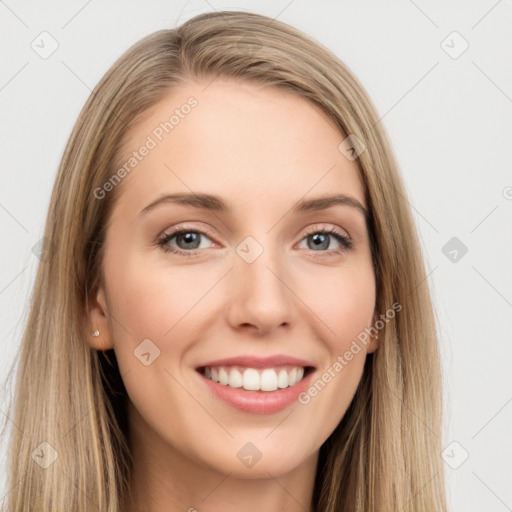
pixel 260 297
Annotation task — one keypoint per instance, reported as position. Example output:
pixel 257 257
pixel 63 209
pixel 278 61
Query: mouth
pixel 273 378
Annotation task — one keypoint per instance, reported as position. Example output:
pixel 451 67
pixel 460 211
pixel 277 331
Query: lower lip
pixel 258 402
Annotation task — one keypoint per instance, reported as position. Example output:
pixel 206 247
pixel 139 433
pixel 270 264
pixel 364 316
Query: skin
pixel 261 150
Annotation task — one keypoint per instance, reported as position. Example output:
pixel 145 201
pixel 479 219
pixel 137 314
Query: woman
pixel 287 359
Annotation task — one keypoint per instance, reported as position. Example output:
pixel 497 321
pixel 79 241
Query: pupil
pixel 316 239
pixel 190 237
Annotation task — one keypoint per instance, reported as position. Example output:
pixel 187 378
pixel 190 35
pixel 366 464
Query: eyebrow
pixel 215 203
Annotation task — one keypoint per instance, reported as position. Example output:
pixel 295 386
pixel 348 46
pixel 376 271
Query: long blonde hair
pixel 384 455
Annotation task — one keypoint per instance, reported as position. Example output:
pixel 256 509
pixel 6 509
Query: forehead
pixel 250 144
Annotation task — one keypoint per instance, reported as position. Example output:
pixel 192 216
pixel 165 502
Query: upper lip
pixel 258 362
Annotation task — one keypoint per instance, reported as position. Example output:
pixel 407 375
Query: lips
pixel 273 394
pixel 270 400
pixel 249 361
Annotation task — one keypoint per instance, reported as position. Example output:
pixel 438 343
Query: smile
pixel 252 379
pixel 256 390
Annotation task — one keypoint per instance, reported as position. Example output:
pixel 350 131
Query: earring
pixel 95 334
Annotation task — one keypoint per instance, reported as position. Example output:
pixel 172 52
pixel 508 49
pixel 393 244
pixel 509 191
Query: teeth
pixel 223 377
pixel 268 380
pixel 292 377
pixel 251 379
pixel 235 379
pixel 282 379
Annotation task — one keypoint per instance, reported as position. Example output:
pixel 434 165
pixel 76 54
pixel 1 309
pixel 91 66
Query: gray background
pixel 449 117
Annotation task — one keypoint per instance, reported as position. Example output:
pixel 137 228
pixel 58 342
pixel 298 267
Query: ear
pixel 98 321
pixel 373 344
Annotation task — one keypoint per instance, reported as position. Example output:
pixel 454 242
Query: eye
pixel 188 241
pixel 321 239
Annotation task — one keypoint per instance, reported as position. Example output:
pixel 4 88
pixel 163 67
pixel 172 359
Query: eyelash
pixel 345 241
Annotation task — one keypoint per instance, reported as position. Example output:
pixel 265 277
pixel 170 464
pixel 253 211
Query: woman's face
pixel 259 277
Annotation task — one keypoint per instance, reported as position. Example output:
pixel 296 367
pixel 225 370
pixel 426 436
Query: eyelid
pixel 340 234
pixel 179 228
pixel 328 229
pixel 311 229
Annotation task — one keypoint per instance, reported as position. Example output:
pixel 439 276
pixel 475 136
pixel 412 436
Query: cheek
pixel 345 308
pixel 344 301
pixel 155 301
